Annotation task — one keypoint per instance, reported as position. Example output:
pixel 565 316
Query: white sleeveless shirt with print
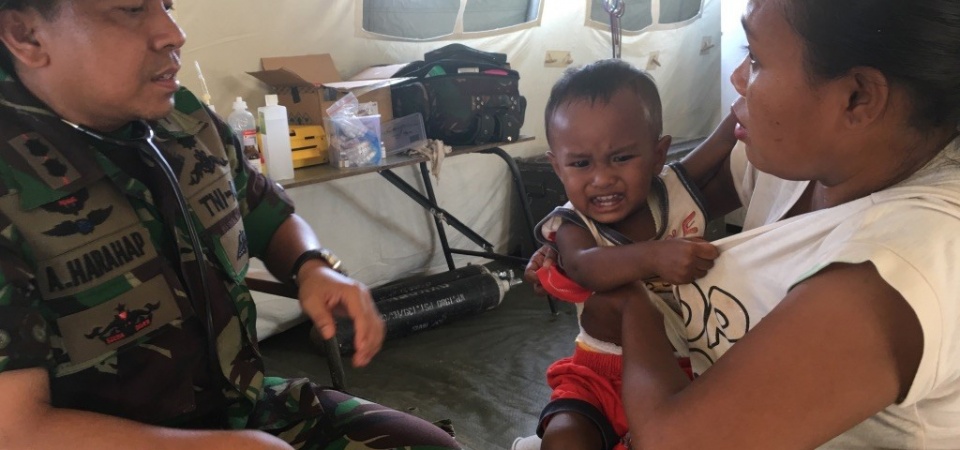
pixel 910 232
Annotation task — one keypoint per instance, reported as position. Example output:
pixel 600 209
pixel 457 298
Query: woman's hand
pixel 543 257
pixel 325 292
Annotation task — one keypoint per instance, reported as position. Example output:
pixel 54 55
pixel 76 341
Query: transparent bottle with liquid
pixel 275 138
pixel 245 125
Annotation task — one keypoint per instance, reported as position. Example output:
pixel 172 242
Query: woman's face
pixel 784 119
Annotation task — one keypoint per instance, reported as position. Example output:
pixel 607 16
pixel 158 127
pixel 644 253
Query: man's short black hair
pixel 45 7
pixel 599 82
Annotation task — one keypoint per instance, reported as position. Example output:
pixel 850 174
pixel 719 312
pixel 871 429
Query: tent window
pixel 673 11
pixel 413 19
pixel 638 14
pixel 430 19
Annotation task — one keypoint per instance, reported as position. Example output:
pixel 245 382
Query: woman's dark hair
pixel 915 44
pixel 599 82
pixel 47 8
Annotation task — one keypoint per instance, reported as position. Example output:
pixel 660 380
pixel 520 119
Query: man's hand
pixel 543 257
pixel 682 260
pixel 325 292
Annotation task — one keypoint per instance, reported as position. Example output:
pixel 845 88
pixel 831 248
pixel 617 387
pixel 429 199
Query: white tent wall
pixel 732 51
pixel 732 48
pixel 381 234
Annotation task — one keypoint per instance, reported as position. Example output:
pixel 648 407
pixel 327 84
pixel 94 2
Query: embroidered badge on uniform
pixel 176 162
pixel 72 204
pixel 82 226
pixel 242 246
pixel 188 141
pixel 43 158
pixel 125 323
pixel 205 164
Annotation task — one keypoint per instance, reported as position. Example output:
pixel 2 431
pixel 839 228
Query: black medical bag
pixel 466 96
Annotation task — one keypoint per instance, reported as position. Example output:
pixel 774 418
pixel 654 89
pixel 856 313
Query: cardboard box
pixel 308 84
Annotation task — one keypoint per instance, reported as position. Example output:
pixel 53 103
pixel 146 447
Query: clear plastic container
pixel 403 134
pixel 245 125
pixel 275 137
pixel 352 145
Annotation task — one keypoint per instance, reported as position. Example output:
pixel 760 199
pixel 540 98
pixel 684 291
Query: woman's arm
pixel 839 348
pixel 708 166
pixel 705 161
pixel 28 421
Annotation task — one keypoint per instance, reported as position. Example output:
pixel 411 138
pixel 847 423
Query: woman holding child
pixel 832 320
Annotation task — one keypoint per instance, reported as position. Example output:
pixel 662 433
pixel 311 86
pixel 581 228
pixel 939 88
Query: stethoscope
pixel 145 144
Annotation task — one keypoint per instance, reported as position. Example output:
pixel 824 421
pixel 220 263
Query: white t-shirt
pixel 910 232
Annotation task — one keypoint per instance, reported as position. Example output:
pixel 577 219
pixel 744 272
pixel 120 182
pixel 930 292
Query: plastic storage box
pixel 354 143
pixel 404 133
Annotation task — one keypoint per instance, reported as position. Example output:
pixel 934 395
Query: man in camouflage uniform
pixel 114 333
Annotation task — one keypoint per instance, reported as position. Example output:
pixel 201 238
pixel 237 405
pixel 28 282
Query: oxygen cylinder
pixel 427 302
pixel 423 282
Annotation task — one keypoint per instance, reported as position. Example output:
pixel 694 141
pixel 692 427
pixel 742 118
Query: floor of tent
pixel 485 373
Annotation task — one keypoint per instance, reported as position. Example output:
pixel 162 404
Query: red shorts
pixel 594 378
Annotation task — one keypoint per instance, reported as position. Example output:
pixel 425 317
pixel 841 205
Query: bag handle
pixel 451 67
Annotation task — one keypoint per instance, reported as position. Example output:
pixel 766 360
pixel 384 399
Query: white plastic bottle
pixel 275 138
pixel 245 125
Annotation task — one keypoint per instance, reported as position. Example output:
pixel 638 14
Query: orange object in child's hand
pixel 558 285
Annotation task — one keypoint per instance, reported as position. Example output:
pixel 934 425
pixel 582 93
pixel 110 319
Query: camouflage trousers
pixel 311 417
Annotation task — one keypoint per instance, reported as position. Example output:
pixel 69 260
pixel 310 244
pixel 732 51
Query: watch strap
pixel 317 253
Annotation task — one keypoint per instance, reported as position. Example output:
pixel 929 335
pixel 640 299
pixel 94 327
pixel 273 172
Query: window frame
pixel 655 26
pixel 457 32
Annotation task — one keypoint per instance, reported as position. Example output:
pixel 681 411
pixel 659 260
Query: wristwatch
pixel 322 254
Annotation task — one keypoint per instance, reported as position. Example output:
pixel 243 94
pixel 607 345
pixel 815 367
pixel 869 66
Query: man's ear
pixel 867 94
pixel 663 145
pixel 17 32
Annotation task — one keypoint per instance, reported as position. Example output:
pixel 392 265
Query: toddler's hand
pixel 682 260
pixel 543 257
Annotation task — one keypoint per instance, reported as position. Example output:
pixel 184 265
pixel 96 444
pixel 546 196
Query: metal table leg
pixel 441 232
pixel 522 193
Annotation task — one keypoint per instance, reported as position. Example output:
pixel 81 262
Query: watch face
pixel 331 259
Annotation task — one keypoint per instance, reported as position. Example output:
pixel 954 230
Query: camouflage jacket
pixel 86 288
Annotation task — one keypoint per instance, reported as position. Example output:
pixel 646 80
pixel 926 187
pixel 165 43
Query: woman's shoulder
pixel 942 170
pixel 937 183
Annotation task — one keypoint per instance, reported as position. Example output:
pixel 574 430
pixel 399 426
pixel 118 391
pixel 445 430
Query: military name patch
pixel 214 202
pixel 96 262
pixel 217 200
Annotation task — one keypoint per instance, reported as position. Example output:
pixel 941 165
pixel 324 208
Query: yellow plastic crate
pixel 309 145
